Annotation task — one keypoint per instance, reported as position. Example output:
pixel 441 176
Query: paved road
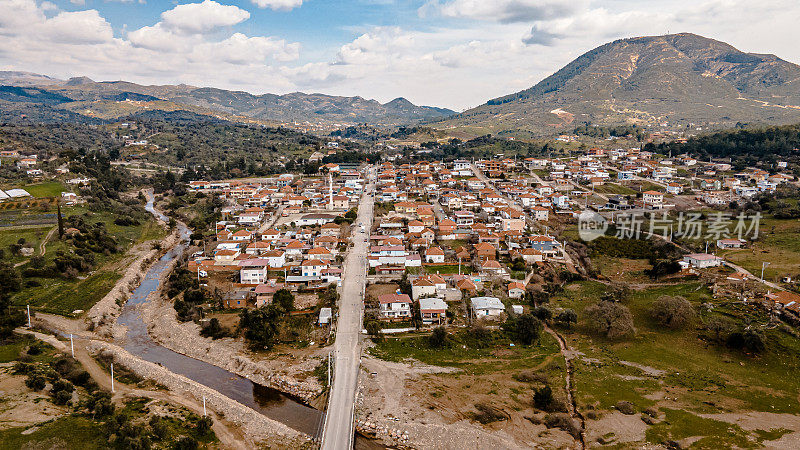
pixel 338 432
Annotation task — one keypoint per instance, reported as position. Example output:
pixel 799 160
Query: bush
pixel 611 320
pixel 563 422
pixel 672 312
pixel 625 408
pixel 524 328
pixel 62 397
pixel 35 382
pixel 543 398
pixel 438 338
pixel 567 317
pixel 62 385
pixel 543 313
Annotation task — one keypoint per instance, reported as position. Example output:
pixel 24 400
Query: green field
pixel 698 375
pixel 447 269
pixel 49 189
pixel 612 188
pixel 778 244
pixel 62 296
pixel 72 432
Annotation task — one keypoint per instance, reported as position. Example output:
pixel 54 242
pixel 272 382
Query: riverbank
pixel 257 427
pixel 285 372
pixel 102 317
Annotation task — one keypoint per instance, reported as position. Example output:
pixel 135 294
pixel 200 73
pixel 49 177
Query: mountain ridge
pixel 97 99
pixel 679 79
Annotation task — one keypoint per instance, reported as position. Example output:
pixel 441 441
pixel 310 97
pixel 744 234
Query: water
pixel 265 400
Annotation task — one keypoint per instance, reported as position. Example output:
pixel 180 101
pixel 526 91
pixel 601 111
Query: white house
pixel 253 271
pixel 395 306
pixel 702 260
pixel 487 306
pixel 434 255
pixel 432 310
pixel 653 199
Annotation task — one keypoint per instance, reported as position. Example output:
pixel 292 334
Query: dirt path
pixel 42 247
pixel 229 437
pixel 568 355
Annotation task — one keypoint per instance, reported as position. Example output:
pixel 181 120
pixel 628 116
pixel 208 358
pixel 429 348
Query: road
pixel 338 432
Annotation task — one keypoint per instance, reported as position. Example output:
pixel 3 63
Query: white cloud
pixel 505 11
pixel 202 17
pixel 78 2
pixel 240 49
pixel 80 27
pixel 278 5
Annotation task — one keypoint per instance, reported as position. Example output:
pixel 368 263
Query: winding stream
pixel 265 400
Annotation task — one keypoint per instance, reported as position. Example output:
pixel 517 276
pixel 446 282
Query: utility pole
pixel 204 406
pixel 112 377
pixel 763 266
pixel 71 346
pixel 29 316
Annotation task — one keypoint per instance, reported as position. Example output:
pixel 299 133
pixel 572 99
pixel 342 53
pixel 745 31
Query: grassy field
pixel 447 269
pixel 49 189
pixel 612 188
pixel 778 244
pixel 73 432
pixel 695 375
pixel 62 296
pixel 32 235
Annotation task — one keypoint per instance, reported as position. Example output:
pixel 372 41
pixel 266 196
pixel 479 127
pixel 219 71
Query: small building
pixel 433 310
pixel 702 260
pixel 325 316
pixel 730 243
pixel 395 306
pixel 487 307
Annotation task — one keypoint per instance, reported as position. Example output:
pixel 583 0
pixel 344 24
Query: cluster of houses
pixel 263 258
pixel 454 232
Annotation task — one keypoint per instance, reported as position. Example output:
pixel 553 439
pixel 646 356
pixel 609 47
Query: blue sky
pixel 451 53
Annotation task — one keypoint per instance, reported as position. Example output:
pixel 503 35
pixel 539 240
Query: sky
pixel 448 53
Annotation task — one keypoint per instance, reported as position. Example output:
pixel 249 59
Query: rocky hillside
pixel 677 79
pixel 110 100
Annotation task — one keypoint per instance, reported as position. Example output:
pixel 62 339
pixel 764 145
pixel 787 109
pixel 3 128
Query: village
pixel 471 234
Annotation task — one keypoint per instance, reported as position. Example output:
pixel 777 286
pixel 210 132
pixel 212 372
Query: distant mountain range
pixel 678 79
pixel 42 98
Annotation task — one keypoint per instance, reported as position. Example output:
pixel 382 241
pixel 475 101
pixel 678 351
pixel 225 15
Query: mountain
pixel 15 78
pixel 115 99
pixel 677 79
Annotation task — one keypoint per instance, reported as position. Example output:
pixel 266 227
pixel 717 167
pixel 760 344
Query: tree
pixel 672 312
pixel 543 398
pixel 374 330
pixel 524 328
pixel 543 313
pixel 567 317
pixel 284 299
pixel 60 220
pixel 404 285
pixel 438 338
pixel 616 292
pixel 611 320
pixel 260 326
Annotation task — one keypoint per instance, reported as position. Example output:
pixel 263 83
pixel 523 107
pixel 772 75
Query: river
pixel 265 400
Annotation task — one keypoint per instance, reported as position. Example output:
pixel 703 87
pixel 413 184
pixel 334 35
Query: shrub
pixel 611 320
pixel 62 397
pixel 543 398
pixel 438 338
pixel 563 422
pixel 625 408
pixel 524 328
pixel 543 313
pixel 567 317
pixel 672 312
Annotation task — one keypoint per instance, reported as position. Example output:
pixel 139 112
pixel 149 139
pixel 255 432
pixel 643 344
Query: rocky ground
pixel 102 316
pixel 289 372
pixel 390 407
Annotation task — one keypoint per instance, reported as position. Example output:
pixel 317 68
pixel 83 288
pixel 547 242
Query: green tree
pixel 524 328
pixel 284 299
pixel 612 320
pixel 543 398
pixel 567 317
pixel 438 338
